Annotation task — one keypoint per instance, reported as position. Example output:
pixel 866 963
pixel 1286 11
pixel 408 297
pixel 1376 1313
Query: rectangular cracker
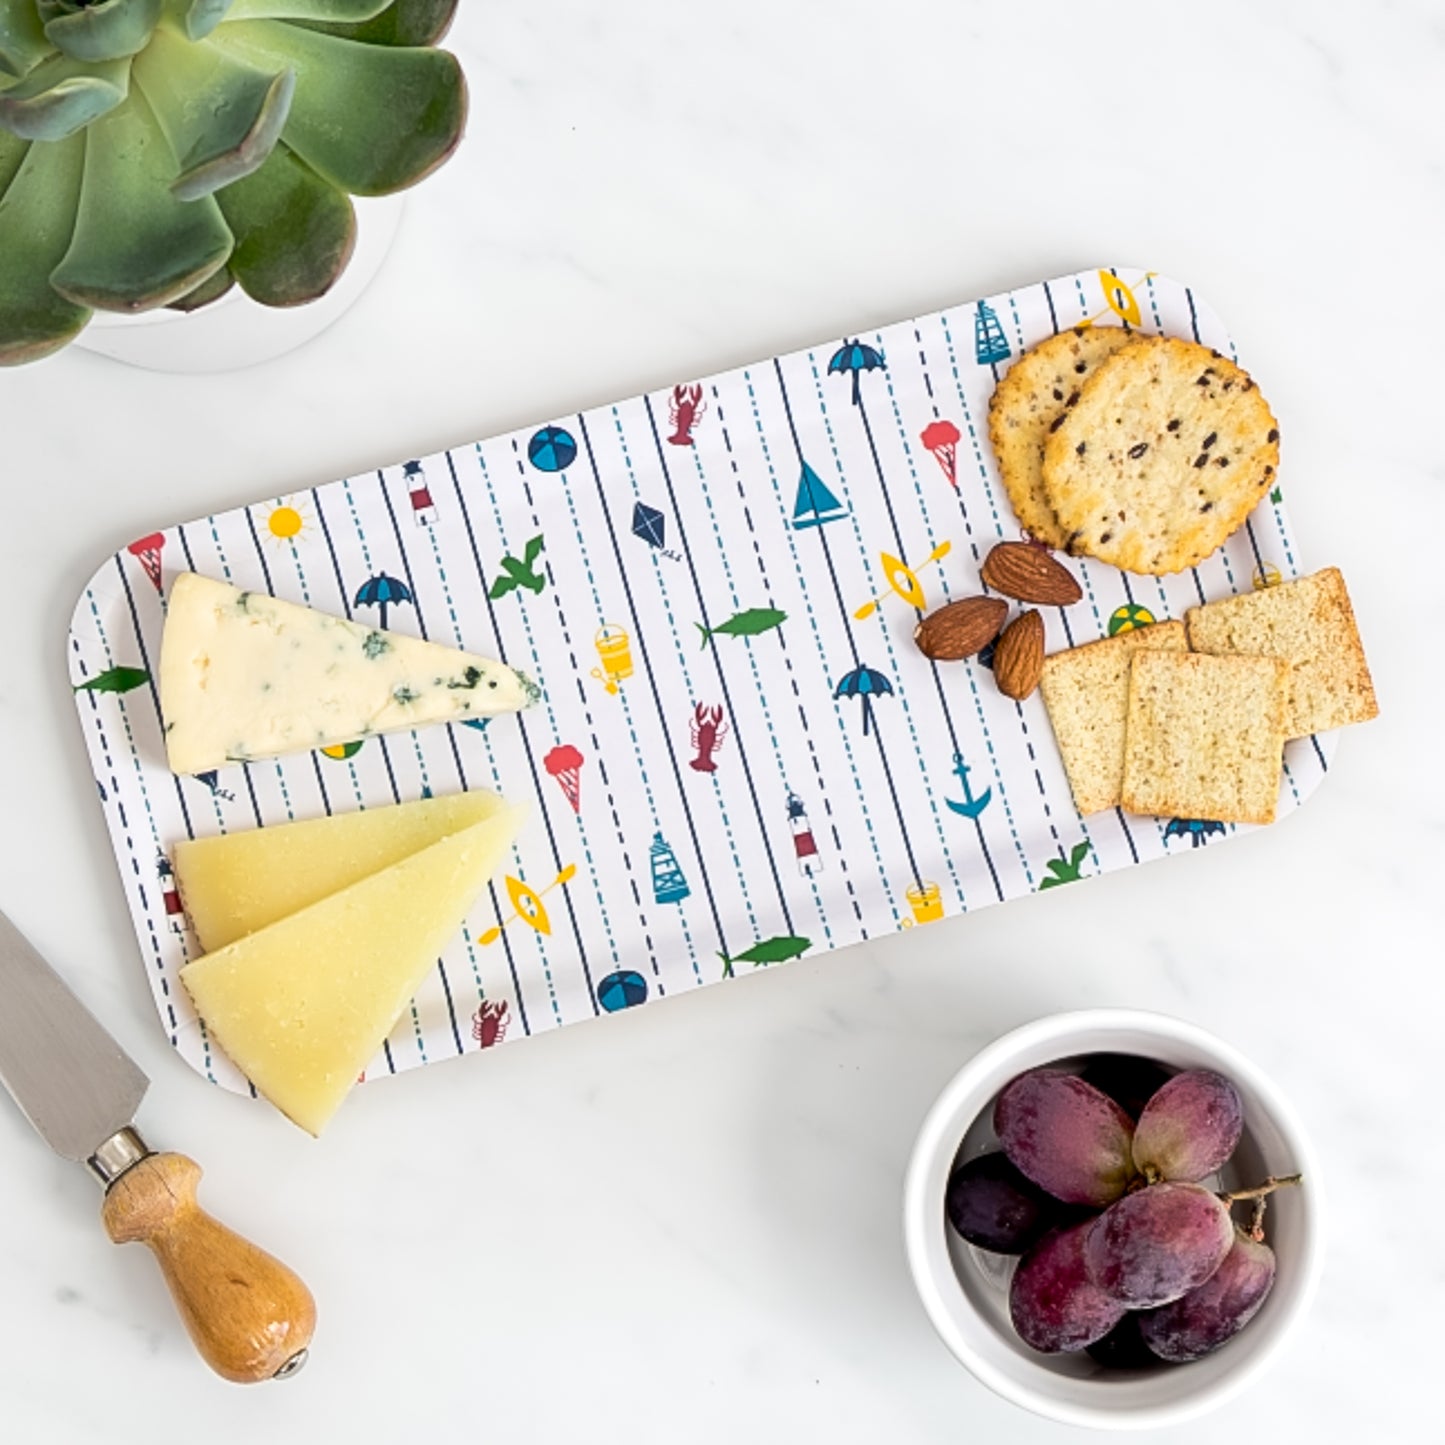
pixel 1205 736
pixel 1310 624
pixel 1086 691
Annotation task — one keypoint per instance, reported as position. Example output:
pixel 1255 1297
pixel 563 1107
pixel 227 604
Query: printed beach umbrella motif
pixel 1197 830
pixel 867 683
pixel 621 990
pixel 382 591
pixel 853 356
pixel 552 449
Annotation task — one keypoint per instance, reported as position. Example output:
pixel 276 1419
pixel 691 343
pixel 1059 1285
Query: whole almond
pixel 961 628
pixel 1018 659
pixel 1021 570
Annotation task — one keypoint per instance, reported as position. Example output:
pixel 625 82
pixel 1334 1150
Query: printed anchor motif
pixel 858 789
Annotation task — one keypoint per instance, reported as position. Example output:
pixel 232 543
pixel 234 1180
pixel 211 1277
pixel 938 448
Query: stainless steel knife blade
pixel 74 1083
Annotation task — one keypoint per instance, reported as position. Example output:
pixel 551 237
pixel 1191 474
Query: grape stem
pixel 1260 1190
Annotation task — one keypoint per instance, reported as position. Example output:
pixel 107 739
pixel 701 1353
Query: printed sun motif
pixel 288 522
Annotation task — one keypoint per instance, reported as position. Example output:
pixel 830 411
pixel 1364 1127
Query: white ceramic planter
pixel 236 331
pixel 965 1290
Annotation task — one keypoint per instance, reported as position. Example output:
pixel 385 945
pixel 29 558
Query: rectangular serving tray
pixel 740 755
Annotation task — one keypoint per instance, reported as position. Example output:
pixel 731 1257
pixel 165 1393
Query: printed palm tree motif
pixel 1066 869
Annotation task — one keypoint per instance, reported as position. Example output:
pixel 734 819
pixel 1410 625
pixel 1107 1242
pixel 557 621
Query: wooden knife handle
pixel 249 1315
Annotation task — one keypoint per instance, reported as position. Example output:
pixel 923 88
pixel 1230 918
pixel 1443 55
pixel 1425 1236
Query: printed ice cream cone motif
pixel 564 763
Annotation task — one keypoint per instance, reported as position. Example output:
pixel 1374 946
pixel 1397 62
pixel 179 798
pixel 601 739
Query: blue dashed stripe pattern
pixel 720 619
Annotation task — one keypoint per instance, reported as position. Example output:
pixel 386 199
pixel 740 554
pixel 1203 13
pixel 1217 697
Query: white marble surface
pixel 684 1225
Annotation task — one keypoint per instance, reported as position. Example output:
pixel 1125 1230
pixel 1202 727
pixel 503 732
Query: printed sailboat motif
pixel 815 504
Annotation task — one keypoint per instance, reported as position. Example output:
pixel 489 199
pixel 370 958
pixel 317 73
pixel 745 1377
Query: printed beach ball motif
pixel 622 990
pixel 1128 617
pixel 552 449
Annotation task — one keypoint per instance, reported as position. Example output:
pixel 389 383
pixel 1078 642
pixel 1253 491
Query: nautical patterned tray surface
pixel 740 756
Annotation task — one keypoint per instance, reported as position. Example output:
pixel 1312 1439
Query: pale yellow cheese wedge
pixel 302 1007
pixel 235 883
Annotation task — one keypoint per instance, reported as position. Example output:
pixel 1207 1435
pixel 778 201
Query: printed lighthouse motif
pixel 805 846
pixel 422 506
pixel 668 883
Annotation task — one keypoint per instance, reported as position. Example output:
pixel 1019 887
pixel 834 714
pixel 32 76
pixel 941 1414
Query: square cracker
pixel 1310 625
pixel 1086 691
pixel 1204 736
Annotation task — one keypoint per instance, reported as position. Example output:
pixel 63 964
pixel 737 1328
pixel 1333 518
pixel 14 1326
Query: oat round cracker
pixel 1031 397
pixel 1166 452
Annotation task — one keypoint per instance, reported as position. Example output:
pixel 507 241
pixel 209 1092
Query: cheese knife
pixel 249 1315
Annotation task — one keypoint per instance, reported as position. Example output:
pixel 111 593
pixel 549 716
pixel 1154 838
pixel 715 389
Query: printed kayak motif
pixel 739 757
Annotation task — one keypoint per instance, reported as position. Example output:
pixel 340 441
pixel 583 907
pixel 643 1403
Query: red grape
pixel 1158 1243
pixel 995 1207
pixel 1051 1300
pixel 1189 1128
pixel 1066 1136
pixel 1205 1318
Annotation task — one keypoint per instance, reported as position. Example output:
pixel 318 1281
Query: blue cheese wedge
pixel 244 676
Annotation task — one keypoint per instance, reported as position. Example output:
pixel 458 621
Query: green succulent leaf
pixel 109 30
pixel 37 212
pixel 211 289
pixel 12 153
pixel 347 11
pixel 136 245
pixel 367 117
pixel 61 96
pixel 22 37
pixel 221 116
pixel 195 19
pixel 294 231
pixel 404 22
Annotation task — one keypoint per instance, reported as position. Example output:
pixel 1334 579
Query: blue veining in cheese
pixel 245 676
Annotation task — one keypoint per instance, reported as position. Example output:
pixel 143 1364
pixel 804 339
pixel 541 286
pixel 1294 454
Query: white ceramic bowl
pixel 965 1290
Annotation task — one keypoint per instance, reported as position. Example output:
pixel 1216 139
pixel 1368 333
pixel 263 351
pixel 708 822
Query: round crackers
pixel 1033 394
pixel 1166 452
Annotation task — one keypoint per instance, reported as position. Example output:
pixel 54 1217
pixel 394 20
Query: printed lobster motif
pixel 489 1023
pixel 708 732
pixel 685 411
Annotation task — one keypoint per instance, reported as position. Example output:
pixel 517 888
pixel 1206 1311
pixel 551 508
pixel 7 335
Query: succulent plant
pixel 157 152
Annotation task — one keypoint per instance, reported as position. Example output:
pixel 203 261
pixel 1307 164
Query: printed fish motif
pixel 116 679
pixel 751 623
pixel 770 950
